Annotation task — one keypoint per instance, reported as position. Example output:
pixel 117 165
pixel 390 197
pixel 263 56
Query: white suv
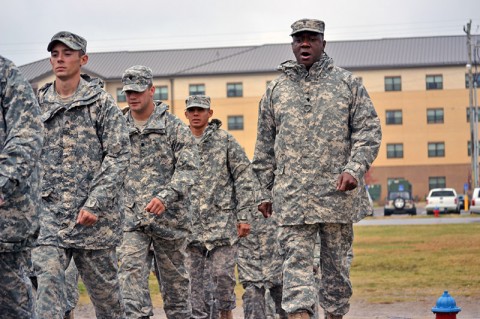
pixel 443 199
pixel 475 203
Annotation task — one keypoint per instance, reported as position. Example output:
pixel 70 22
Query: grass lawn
pixel 403 263
pixel 408 263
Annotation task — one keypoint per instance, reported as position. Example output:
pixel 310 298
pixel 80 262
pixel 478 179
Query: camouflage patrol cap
pixel 137 78
pixel 308 25
pixel 71 40
pixel 202 101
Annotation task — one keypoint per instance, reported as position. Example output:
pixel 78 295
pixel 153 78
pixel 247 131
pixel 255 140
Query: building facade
pixel 418 86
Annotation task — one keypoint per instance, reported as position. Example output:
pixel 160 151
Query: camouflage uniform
pixel 71 288
pixel 260 268
pixel 164 165
pixel 224 196
pixel 21 137
pixel 313 125
pixel 84 160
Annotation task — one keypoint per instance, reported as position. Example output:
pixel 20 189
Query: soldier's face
pixel 308 47
pixel 198 117
pixel 66 63
pixel 140 102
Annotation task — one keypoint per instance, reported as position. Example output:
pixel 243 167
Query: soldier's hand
pixel 155 207
pixel 243 229
pixel 346 182
pixel 266 209
pixel 86 218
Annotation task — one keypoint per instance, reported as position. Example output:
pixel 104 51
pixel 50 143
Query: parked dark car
pixel 461 201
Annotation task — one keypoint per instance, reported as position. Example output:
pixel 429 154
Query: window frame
pixel 436 152
pixel 394 117
pixel 393 86
pixel 436 184
pixel 158 97
pixel 435 116
pixel 196 86
pixel 121 96
pixel 236 126
pixel 236 92
pixel 395 154
pixel 435 84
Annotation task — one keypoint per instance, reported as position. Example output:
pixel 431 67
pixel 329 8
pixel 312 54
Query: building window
pixel 394 117
pixel 437 182
pixel 393 83
pixel 121 97
pixel 434 82
pixel 469 148
pixel 394 150
pixel 436 149
pixel 234 89
pixel 468 114
pixel 476 79
pixel 434 116
pixel 235 122
pixel 161 93
pixel 196 89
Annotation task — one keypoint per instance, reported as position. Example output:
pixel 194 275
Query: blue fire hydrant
pixel 446 307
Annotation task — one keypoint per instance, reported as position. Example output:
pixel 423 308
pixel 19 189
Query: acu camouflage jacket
pixel 313 126
pixel 225 191
pixel 164 165
pixel 21 136
pixel 84 161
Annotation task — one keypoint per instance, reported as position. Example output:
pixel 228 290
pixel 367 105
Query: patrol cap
pixel 71 40
pixel 202 101
pixel 137 78
pixel 309 25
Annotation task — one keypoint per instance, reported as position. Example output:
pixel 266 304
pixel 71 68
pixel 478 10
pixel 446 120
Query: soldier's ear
pixel 83 59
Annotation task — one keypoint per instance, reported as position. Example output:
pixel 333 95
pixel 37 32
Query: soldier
pixel 225 198
pixel 84 159
pixel 162 171
pixel 21 137
pixel 318 133
pixel 260 269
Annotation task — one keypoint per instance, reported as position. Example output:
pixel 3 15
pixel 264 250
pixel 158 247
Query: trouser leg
pixel 171 262
pixel 71 286
pixel 49 264
pixel 298 244
pixel 16 296
pixel 254 306
pixel 222 264
pixel 276 294
pixel 133 274
pixel 196 263
pixel 99 272
pixel 335 288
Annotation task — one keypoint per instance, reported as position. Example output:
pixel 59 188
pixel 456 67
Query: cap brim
pixel 203 106
pixel 306 30
pixel 134 87
pixel 67 43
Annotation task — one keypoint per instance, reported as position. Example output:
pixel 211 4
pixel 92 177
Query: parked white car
pixel 475 202
pixel 443 199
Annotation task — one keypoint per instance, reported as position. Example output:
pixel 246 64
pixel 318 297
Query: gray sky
pixel 26 26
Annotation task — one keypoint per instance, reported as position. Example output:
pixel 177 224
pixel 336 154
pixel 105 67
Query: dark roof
pixel 352 55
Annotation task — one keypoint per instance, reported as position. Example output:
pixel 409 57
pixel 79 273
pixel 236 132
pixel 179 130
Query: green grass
pixel 407 263
pixel 403 263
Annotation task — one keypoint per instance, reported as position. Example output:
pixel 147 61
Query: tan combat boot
pixel 226 314
pixel 299 315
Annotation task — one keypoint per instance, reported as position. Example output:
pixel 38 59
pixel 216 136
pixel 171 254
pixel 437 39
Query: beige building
pixel 418 86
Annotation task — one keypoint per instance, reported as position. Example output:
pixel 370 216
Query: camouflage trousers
pixel 256 305
pixel 98 269
pixel 213 279
pixel 299 289
pixel 16 297
pixel 135 265
pixel 71 287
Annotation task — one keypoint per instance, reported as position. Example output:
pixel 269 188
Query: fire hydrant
pixel 446 307
pixel 436 212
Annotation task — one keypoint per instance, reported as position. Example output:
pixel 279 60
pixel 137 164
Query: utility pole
pixel 472 109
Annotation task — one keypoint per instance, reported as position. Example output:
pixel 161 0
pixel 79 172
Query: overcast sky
pixel 26 26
